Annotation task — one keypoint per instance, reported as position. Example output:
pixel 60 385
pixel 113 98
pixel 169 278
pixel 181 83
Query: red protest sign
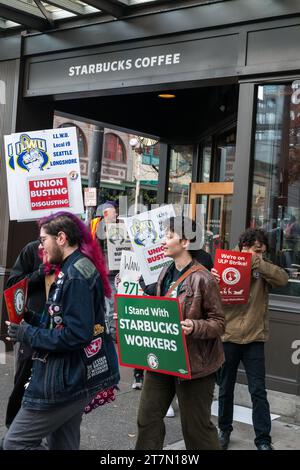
pixel 15 299
pixel 234 269
pixel 49 193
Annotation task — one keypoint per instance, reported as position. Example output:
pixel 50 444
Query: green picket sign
pixel 150 335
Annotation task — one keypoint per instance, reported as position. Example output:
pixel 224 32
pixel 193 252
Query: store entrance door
pixel 214 202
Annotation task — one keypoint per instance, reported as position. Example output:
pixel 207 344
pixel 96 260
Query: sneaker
pixel 264 446
pixel 224 439
pixel 170 413
pixel 137 383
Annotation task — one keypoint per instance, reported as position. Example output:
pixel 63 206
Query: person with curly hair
pixel 246 331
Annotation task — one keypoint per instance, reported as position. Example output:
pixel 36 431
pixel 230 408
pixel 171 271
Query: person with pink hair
pixel 75 366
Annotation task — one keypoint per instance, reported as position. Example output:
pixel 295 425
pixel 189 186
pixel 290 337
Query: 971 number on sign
pixel 131 288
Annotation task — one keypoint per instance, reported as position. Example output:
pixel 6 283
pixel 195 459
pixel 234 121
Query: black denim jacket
pixel 74 355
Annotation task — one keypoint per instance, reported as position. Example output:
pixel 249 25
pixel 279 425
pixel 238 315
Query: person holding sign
pixel 106 214
pixel 205 260
pixel 28 265
pixel 245 334
pixel 203 325
pixel 74 358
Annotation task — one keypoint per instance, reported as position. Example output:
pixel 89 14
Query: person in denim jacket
pixel 74 356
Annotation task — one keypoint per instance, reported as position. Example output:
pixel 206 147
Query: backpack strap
pixel 192 269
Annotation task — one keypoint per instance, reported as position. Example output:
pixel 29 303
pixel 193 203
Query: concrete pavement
pixel 113 427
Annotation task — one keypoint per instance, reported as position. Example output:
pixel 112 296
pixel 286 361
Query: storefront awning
pixel 42 15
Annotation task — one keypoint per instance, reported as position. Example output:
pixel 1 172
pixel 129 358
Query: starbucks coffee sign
pixel 104 69
pixel 124 64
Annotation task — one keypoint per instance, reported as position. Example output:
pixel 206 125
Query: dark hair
pixel 62 223
pixel 252 235
pixel 78 234
pixel 187 229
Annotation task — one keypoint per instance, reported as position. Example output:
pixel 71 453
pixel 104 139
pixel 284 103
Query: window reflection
pixel 129 170
pixel 180 175
pixel 276 179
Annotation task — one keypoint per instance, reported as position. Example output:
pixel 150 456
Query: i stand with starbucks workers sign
pixel 150 335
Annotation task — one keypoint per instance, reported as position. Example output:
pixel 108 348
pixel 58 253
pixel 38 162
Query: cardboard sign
pixel 130 273
pixel 15 299
pixel 43 173
pixel 90 197
pixel 234 269
pixel 150 335
pixel 147 232
pixel 117 242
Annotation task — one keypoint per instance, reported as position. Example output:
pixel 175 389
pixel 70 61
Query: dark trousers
pixel 23 372
pixel 194 399
pixel 253 358
pixel 59 424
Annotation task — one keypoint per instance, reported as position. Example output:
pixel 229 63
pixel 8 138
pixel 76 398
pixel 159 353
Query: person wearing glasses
pixel 74 359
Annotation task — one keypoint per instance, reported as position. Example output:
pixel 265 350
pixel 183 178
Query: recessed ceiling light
pixel 166 96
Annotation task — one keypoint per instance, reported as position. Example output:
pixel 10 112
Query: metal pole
pixel 95 158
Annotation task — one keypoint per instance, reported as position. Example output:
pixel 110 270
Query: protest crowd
pixel 180 327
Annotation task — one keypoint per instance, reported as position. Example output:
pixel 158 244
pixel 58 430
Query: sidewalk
pixel 113 427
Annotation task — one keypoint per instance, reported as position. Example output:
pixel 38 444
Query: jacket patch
pixel 85 267
pixel 98 366
pixel 93 348
pixel 98 329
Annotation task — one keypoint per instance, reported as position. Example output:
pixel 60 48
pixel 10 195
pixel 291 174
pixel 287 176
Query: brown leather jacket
pixel 200 301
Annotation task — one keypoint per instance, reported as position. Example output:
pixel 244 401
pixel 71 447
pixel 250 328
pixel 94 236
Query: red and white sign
pixel 15 299
pixel 50 193
pixel 234 269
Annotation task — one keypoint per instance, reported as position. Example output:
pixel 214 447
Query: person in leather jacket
pixel 203 325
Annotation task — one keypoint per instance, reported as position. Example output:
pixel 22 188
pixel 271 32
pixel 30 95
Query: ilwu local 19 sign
pixel 150 335
pixel 43 173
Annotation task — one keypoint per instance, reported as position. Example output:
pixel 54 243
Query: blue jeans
pixel 253 358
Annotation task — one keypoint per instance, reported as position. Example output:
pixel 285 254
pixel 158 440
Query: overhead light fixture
pixel 167 96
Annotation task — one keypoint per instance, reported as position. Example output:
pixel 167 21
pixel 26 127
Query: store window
pixel 275 204
pixel 129 168
pixel 205 170
pixel 180 175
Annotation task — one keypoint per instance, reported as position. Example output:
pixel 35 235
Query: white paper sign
pixel 43 173
pixel 90 197
pixel 117 241
pixel 130 272
pixel 146 232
